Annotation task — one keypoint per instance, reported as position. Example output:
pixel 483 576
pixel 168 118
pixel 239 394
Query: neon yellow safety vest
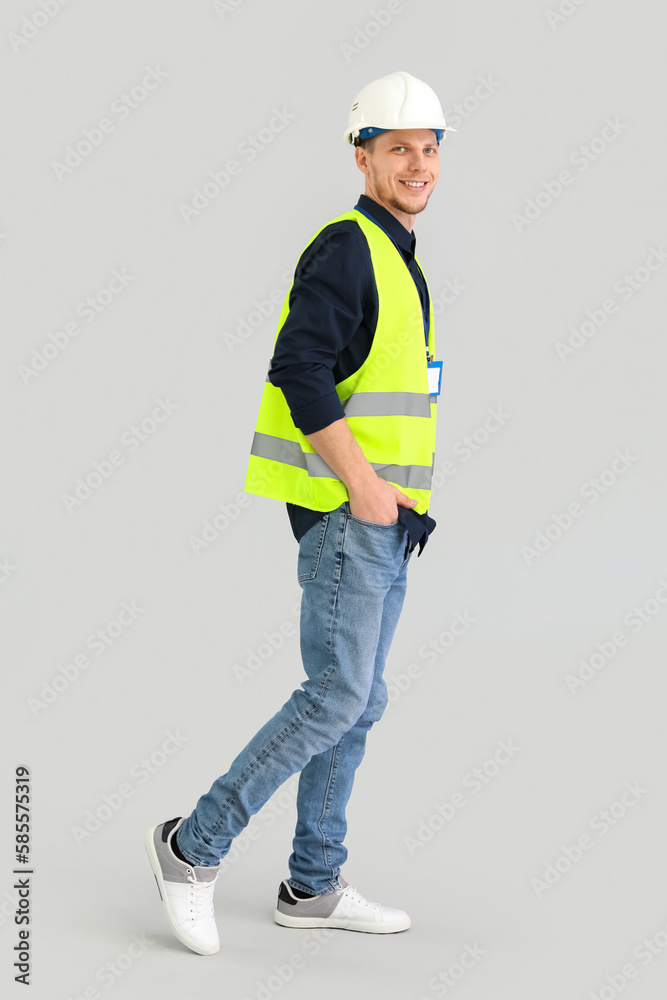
pixel 386 402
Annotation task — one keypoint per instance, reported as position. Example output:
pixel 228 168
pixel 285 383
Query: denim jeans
pixel 353 577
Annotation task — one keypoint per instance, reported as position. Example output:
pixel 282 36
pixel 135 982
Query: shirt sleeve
pixel 327 303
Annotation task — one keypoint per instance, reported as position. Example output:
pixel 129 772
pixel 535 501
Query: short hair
pixel 368 143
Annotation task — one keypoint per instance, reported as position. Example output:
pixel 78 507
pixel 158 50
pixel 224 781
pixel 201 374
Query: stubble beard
pixel 395 201
pixel 410 209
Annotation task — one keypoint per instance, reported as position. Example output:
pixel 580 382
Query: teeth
pixel 415 183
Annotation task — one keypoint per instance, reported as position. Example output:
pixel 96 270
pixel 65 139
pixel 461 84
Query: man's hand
pixel 371 498
pixel 378 501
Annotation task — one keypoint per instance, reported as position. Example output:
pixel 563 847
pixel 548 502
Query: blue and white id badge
pixel 434 377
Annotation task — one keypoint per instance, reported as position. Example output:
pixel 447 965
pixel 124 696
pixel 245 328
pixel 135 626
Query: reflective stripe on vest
pixel 386 402
pixel 289 452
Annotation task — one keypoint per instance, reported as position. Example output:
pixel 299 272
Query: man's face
pixel 401 168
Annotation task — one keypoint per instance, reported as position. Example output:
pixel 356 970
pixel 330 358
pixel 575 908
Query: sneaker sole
pixel 344 925
pixel 157 872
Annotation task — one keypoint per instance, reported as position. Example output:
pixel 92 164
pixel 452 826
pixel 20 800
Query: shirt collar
pixel 399 234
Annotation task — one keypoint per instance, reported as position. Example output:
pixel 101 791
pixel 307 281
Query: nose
pixel 418 161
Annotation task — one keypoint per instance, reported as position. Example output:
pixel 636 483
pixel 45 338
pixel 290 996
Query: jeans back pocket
pixel 310 550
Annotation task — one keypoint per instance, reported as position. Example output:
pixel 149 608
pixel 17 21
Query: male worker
pixel 345 435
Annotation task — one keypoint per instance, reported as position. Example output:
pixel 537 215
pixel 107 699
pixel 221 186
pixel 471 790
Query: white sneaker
pixel 344 908
pixel 185 890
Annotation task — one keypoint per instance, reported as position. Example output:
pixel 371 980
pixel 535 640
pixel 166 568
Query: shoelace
pixel 356 897
pixel 201 897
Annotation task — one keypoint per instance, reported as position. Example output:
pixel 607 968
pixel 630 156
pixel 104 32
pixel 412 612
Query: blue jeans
pixel 353 577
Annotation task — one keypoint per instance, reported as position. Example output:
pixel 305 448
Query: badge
pixel 434 377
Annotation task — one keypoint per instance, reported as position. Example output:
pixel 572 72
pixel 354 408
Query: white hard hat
pixel 395 101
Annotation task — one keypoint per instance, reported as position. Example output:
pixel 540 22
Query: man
pixel 345 435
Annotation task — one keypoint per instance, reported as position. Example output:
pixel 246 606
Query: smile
pixel 416 185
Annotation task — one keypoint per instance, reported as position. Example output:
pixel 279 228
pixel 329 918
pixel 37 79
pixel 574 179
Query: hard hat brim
pixel 350 135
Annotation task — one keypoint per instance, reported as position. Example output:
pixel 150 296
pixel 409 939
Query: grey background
pixel 166 336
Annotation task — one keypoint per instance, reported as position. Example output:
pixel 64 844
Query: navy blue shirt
pixel 329 331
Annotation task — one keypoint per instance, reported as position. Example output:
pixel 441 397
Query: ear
pixel 361 159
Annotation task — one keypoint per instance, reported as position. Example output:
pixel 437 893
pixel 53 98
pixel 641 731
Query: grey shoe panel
pixel 318 906
pixel 172 868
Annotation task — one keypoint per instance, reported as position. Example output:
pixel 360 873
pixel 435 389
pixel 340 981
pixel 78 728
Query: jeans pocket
pixel 310 550
pixel 373 524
